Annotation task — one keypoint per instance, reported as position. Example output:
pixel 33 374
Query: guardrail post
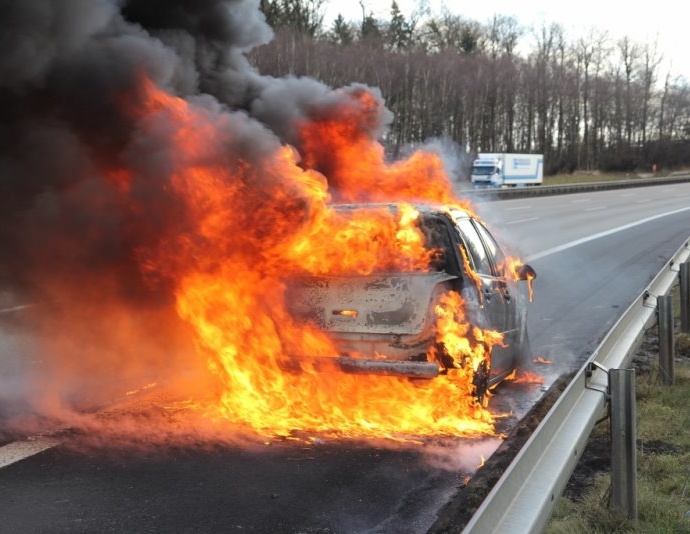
pixel 623 442
pixel 667 342
pixel 685 297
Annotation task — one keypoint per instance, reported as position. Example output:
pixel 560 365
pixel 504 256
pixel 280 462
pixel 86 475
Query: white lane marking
pixel 595 209
pixel 624 195
pixel 19 450
pixel 580 200
pixel 519 208
pixel 592 237
pixel 518 221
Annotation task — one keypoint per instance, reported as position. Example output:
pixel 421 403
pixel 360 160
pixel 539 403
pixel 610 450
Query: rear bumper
pixel 374 347
pixel 389 367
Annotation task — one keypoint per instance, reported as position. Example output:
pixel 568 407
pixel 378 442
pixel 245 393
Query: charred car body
pixel 385 322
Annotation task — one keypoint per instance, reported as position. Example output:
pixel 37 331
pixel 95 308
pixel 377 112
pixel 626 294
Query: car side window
pixel 482 264
pixel 494 250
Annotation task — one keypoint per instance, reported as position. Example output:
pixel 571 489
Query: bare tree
pixel 651 60
pixel 573 101
pixel 629 52
pixel 590 51
pixel 503 33
pixel 547 39
pixel 663 102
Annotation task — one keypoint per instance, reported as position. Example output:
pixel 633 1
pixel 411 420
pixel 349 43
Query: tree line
pixel 588 104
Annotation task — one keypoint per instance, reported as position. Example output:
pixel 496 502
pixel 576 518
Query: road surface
pixel 594 252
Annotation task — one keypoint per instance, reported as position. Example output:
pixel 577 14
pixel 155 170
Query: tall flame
pixel 514 265
pixel 234 247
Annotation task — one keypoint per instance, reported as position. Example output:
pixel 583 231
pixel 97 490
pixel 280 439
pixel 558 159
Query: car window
pixel 493 249
pixel 437 238
pixel 475 246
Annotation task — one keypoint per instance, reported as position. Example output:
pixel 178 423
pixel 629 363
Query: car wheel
pixel 443 357
pixel 481 382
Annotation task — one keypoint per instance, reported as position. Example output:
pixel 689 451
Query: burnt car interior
pixel 437 239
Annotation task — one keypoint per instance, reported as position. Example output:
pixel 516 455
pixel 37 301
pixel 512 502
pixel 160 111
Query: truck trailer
pixel 507 170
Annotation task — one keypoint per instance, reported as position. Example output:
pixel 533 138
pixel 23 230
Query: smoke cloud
pixel 85 182
pixel 90 186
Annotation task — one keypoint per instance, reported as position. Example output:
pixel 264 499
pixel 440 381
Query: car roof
pixel 430 208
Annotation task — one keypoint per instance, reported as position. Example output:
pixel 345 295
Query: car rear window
pixel 437 239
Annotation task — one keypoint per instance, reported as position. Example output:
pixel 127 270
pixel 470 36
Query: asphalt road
pixel 593 252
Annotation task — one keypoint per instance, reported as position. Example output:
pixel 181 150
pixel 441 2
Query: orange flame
pixel 542 361
pixel 471 272
pixel 235 247
pixel 513 265
pixel 362 242
pixel 528 377
pixel 339 144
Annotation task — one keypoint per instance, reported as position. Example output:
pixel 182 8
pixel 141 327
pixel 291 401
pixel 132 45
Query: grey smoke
pixel 64 70
pixel 70 83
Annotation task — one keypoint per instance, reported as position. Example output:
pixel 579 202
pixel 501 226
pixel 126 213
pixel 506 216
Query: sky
pixel 663 24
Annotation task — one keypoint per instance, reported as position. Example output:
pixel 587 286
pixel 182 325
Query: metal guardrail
pixel 480 195
pixel 524 497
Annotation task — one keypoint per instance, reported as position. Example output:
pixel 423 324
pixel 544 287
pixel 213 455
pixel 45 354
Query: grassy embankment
pixel 594 176
pixel 663 458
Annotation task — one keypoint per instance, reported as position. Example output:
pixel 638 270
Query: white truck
pixel 500 170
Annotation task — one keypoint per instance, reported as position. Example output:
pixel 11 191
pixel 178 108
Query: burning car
pixel 462 304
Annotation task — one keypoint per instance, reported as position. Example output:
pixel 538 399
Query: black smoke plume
pixel 70 83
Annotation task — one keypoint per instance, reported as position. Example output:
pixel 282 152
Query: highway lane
pixel 354 487
pixel 594 253
pixel 595 282
pixel 538 224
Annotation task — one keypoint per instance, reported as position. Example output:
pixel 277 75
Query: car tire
pixel 481 382
pixel 480 379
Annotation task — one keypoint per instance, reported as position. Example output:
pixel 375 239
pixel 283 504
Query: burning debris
pixel 525 377
pixel 158 195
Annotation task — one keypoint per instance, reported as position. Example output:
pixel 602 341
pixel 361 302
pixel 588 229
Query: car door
pixel 497 292
pixel 508 285
pixel 481 263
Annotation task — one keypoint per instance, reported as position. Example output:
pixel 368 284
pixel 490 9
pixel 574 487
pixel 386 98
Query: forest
pixel 592 103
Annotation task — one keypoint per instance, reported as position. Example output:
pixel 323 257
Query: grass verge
pixel 589 177
pixel 663 459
